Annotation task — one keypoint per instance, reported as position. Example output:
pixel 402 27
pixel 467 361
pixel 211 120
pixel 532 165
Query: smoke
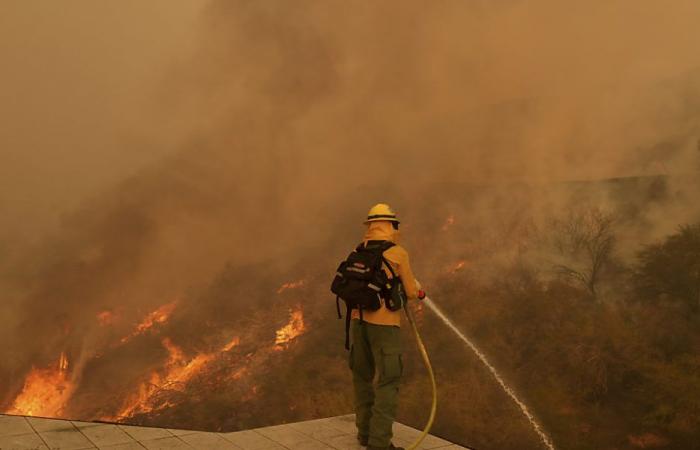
pixel 76 106
pixel 305 102
pixel 290 119
pixel 461 91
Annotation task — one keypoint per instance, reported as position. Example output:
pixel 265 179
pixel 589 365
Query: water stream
pixel 536 426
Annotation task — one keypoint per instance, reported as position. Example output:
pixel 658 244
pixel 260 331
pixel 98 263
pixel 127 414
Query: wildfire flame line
pixel 291 285
pixel 177 371
pixel 160 315
pixel 46 391
pixel 234 342
pixel 292 330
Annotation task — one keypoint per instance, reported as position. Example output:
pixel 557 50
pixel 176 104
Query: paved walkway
pixel 22 433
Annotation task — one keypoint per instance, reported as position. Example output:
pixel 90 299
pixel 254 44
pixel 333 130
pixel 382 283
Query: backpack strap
pixel 388 265
pixel 347 324
pixel 386 245
pixel 347 328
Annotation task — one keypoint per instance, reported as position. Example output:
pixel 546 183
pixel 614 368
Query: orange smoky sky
pixel 77 88
pixel 298 96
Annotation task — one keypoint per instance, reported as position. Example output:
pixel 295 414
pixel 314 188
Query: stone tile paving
pixel 332 433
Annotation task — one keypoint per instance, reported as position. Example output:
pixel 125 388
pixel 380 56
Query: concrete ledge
pixel 24 433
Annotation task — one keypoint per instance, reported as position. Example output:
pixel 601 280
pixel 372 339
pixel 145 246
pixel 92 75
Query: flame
pixel 180 371
pixel 449 222
pixel 234 342
pixel 138 402
pixel 292 330
pixel 177 371
pixel 46 391
pixel 174 375
pixel 457 267
pixel 63 362
pixel 160 315
pixel 105 318
pixel 291 285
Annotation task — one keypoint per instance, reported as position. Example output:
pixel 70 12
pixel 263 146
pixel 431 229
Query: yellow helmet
pixel 381 211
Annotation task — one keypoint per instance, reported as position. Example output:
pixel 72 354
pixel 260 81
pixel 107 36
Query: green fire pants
pixel 375 360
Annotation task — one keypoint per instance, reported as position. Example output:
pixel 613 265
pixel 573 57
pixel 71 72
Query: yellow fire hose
pixel 428 366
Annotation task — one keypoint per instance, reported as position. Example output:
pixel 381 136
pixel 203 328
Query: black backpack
pixel 360 282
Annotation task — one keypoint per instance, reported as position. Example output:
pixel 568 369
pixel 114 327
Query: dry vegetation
pixel 602 347
pixel 603 350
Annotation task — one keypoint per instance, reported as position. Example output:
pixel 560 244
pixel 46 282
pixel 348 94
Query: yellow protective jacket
pixel 398 258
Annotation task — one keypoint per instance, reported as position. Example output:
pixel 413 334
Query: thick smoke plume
pixel 292 118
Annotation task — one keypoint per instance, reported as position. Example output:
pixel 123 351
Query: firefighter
pixel 375 353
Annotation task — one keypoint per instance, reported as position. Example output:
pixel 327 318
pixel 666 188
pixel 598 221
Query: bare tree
pixel 583 241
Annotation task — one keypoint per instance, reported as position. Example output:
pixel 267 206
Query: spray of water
pixel 536 426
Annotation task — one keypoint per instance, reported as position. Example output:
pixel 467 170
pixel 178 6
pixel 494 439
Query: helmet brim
pixel 382 219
